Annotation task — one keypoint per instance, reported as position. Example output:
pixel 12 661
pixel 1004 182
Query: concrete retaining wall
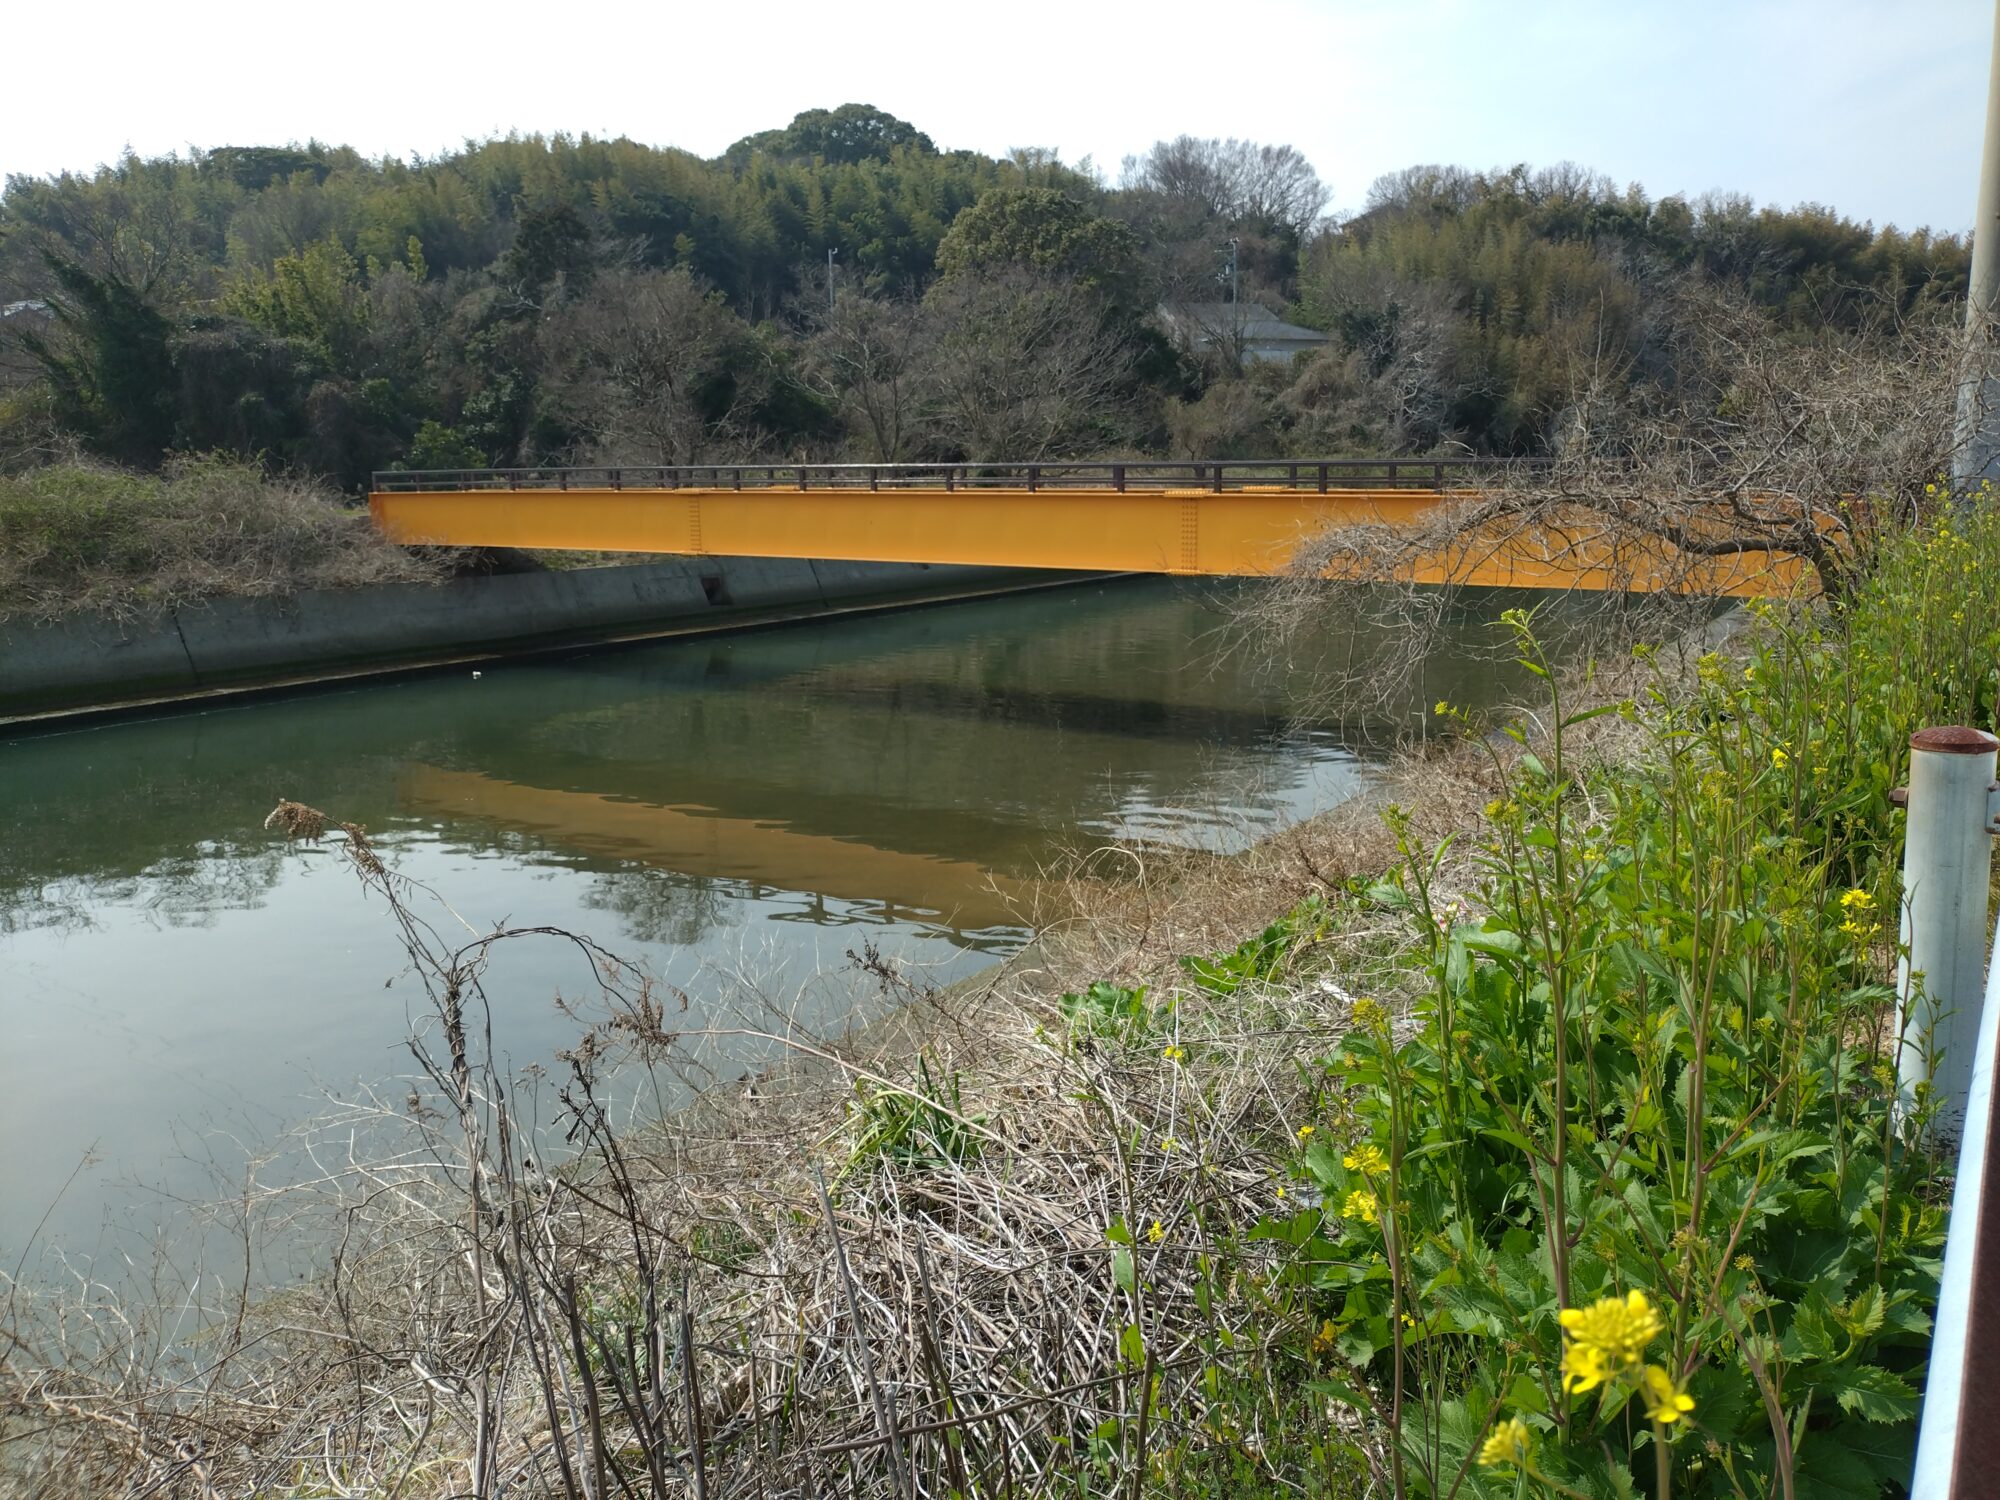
pixel 95 662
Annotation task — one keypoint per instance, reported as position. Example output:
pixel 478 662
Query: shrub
pixel 80 537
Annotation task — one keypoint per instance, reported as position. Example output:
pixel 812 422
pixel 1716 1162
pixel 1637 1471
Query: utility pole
pixel 1976 452
pixel 831 253
pixel 1236 307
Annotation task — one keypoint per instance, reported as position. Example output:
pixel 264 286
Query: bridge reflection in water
pixel 704 844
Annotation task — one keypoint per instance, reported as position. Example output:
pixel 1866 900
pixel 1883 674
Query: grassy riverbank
pixel 1266 1175
pixel 77 537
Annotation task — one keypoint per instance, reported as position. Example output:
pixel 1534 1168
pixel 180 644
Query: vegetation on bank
pixel 536 300
pixel 79 536
pixel 1540 1141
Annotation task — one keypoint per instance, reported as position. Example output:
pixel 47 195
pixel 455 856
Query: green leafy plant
pixel 1113 1011
pixel 919 1127
pixel 1260 959
pixel 1632 1209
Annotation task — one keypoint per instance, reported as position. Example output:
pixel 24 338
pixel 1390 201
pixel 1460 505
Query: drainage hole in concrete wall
pixel 716 590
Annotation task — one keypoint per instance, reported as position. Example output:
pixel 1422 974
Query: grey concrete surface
pixel 92 662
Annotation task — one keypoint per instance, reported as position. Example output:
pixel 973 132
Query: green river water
pixel 179 989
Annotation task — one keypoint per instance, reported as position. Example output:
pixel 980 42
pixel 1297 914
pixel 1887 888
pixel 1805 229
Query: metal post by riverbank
pixel 1947 860
pixel 1976 450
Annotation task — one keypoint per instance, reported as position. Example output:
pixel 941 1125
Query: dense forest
pixel 842 288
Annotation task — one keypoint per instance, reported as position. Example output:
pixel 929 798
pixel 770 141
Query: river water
pixel 738 814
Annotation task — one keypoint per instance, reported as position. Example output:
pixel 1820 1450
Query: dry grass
pixel 983 1300
pixel 78 537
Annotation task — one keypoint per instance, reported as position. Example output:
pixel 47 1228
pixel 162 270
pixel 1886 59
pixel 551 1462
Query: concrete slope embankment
pixel 90 663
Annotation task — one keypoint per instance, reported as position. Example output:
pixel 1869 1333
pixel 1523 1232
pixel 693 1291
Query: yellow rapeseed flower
pixel 1666 1402
pixel 1508 1444
pixel 1368 1013
pixel 1173 1054
pixel 1362 1206
pixel 1157 1233
pixel 1323 1341
pixel 1618 1330
pixel 1779 758
pixel 1856 900
pixel 1365 1158
pixel 1583 1368
pixel 1305 1132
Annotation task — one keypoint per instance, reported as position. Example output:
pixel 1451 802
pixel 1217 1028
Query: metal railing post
pixel 1947 866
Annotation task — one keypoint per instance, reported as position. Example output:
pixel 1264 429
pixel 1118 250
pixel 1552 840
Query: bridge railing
pixel 1321 475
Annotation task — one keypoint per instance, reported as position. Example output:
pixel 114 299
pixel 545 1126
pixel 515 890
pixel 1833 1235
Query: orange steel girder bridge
pixel 1233 518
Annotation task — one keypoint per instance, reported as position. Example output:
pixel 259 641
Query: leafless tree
pixel 652 368
pixel 1277 185
pixel 1425 188
pixel 1756 447
pixel 867 354
pixel 1024 366
pixel 1406 357
pixel 1233 179
pixel 1760 447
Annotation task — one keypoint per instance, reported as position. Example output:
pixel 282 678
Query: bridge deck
pixel 1244 519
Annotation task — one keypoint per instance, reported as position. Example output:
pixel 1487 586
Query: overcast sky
pixel 1872 106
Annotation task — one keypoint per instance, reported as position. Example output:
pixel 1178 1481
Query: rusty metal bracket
pixel 1899 796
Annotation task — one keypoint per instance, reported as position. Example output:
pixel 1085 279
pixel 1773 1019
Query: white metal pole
pixel 1947 864
pixel 1976 453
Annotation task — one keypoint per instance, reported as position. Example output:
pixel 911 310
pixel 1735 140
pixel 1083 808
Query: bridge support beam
pixel 1250 532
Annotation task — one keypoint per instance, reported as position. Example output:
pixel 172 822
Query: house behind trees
pixel 1237 331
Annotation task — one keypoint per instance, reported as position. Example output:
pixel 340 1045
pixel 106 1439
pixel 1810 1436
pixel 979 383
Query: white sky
pixel 1872 106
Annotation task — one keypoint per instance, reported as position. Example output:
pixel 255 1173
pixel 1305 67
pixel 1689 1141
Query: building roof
pixel 1251 321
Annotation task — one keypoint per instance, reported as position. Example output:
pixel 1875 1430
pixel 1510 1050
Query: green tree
pixel 1046 231
pixel 552 247
pixel 315 297
pixel 851 133
pixel 108 364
